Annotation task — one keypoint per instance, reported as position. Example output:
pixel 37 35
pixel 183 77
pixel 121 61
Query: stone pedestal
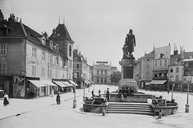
pixel 127 81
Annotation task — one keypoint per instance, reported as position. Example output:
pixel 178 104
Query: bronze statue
pixel 129 45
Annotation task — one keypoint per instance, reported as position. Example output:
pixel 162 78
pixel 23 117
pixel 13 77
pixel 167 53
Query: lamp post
pixel 187 100
pixel 74 91
pixel 173 84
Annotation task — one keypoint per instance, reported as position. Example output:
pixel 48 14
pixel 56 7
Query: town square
pixel 95 63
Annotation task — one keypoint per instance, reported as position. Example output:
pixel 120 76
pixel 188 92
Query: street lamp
pixel 74 100
pixel 187 100
pixel 173 84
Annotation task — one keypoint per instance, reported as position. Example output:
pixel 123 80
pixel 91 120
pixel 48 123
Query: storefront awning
pixel 59 83
pixel 41 83
pixel 158 82
pixel 73 83
pixel 87 82
pixel 67 83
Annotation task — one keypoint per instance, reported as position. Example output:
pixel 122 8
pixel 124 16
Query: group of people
pixel 99 94
pixel 159 101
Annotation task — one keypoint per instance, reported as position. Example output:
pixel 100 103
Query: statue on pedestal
pixel 129 45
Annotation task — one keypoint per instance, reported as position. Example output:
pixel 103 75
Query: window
pixel 101 80
pixel 105 80
pixel 43 55
pixel 171 70
pixel 57 60
pixel 3 48
pixel 70 50
pixel 97 80
pixel 78 75
pixel 161 55
pixel 177 69
pixel 177 78
pixel 101 72
pixel 77 66
pixel 105 72
pixel 97 72
pixel 3 68
pixel 34 52
pixel 155 63
pixel 166 62
pixel 33 70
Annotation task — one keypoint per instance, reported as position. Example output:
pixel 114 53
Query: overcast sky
pixel 99 27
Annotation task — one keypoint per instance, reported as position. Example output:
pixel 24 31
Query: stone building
pixel 62 38
pixel 102 71
pixel 29 60
pixel 81 69
pixel 177 69
pixel 161 62
pixel 143 69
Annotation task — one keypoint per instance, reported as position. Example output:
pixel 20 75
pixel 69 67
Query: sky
pixel 99 27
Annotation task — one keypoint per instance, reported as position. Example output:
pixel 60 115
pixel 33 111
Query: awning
pixel 73 83
pixel 41 83
pixel 67 83
pixel 59 83
pixel 87 82
pixel 159 82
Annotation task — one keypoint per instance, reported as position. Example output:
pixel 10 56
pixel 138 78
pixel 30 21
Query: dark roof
pixel 61 33
pixel 11 29
pixel 18 29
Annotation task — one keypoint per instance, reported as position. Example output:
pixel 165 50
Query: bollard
pixel 74 103
pixel 187 108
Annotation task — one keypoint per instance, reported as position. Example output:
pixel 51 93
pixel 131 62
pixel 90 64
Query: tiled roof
pixel 11 29
pixel 17 29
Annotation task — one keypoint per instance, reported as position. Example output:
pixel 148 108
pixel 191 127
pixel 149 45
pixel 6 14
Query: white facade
pixel 42 63
pixel 102 73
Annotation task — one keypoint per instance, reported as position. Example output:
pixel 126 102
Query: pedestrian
pixel 58 99
pixel 160 114
pixel 99 93
pixel 107 94
pixel 92 93
pixel 5 99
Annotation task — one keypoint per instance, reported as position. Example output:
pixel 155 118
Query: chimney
pixel 11 18
pixel 175 52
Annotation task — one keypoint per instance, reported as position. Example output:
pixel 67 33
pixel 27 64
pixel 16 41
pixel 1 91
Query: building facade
pixel 102 71
pixel 28 60
pixel 161 62
pixel 62 38
pixel 143 70
pixel 81 70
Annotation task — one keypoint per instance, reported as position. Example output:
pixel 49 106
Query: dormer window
pixel 161 55
pixel 43 41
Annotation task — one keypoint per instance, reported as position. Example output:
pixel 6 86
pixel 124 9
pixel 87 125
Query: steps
pixel 129 108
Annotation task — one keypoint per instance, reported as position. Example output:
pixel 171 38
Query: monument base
pixel 128 84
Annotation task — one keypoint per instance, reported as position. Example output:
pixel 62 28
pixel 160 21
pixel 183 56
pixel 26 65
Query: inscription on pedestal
pixel 127 72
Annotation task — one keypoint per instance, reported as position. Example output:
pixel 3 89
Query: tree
pixel 115 77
